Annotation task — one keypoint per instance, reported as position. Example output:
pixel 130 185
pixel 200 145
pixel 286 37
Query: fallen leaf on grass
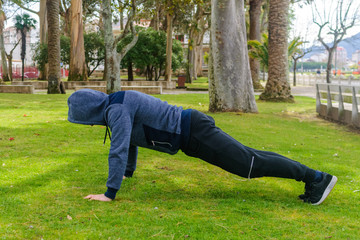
pixel 69 217
pixel 36 134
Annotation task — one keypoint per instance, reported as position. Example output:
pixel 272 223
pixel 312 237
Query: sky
pixel 303 24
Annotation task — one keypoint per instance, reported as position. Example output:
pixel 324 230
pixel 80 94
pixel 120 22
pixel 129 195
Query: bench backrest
pixel 342 94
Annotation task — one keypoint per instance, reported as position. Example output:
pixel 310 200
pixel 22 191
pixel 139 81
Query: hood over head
pixel 87 106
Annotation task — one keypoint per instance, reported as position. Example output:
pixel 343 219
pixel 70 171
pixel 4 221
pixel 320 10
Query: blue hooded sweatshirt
pixel 135 119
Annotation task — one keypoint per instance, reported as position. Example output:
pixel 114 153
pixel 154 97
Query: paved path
pixel 307 91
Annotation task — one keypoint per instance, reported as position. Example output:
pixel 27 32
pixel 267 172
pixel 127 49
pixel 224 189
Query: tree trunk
pixel 53 46
pixel 43 25
pixel 5 72
pixel 190 60
pixel 264 18
pixel 43 21
pixel 255 13
pixel 130 71
pixel 230 84
pixel 112 57
pixel 328 66
pixel 112 62
pixel 169 42
pixel 294 72
pixel 121 6
pixel 196 36
pixel 194 54
pixel 277 86
pixel 22 68
pixel 66 29
pixel 199 60
pixel 9 58
pixel 157 17
pixel 23 52
pixel 77 67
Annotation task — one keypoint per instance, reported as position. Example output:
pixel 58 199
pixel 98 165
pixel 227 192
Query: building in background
pixel 11 37
pixel 340 58
pixel 355 57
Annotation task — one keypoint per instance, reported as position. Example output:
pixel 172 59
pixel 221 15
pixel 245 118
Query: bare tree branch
pixel 338 22
pixel 129 25
pixel 19 3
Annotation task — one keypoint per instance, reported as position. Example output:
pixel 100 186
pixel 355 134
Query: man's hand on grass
pixel 98 197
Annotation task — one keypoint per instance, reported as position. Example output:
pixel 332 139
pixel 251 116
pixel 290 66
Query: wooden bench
pixel 29 89
pixel 143 89
pixel 338 102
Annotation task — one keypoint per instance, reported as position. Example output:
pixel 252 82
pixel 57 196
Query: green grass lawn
pixel 51 164
pixel 201 82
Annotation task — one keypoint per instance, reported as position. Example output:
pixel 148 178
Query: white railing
pixel 313 79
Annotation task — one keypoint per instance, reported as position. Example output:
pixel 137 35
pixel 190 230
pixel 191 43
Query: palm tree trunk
pixel 22 68
pixel 277 87
pixel 23 52
pixel 53 46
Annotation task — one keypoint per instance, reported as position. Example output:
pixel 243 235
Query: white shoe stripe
pixel 327 190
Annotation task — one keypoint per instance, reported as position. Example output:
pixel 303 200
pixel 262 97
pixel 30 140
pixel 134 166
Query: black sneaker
pixel 316 192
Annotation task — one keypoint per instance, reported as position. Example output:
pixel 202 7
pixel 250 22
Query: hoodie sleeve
pixel 120 123
pixel 132 159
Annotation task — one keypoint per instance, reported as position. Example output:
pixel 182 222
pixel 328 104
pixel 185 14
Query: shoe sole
pixel 327 190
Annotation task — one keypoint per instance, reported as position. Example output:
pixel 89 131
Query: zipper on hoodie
pixel 161 143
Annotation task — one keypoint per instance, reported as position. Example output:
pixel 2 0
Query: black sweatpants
pixel 211 144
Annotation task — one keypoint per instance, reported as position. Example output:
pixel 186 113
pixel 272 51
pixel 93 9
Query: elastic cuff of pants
pixel 111 193
pixel 309 176
pixel 129 173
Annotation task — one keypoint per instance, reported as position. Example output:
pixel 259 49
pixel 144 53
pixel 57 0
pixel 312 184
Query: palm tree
pixel 277 87
pixel 23 24
pixel 294 46
pixel 54 83
pixel 260 50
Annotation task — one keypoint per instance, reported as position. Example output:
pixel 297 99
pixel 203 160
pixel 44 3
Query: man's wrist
pixel 111 193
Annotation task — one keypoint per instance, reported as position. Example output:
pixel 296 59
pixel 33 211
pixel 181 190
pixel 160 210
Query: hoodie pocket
pixel 162 139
